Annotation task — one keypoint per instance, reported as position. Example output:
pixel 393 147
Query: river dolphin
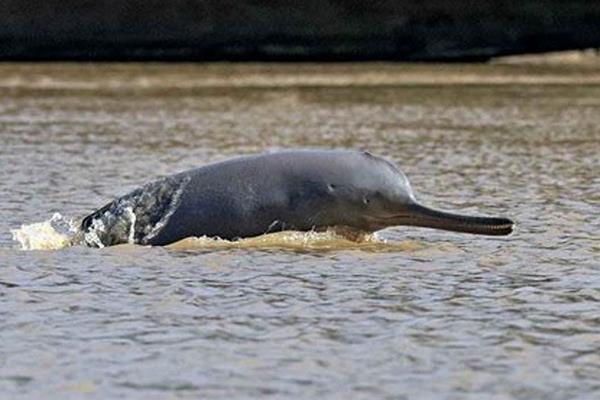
pixel 300 190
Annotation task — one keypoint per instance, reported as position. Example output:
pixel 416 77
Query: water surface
pixel 427 314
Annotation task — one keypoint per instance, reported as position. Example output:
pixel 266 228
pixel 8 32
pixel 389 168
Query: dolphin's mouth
pixel 418 215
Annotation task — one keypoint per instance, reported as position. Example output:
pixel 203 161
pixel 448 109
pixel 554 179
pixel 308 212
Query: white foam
pixel 132 218
pixel 91 236
pixel 55 233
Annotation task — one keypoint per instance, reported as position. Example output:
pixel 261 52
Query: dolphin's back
pixel 241 197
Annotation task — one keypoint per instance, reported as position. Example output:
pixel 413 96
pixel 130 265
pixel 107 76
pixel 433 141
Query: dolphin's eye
pixel 331 187
pixel 366 200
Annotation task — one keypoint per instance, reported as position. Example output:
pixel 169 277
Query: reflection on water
pixel 414 314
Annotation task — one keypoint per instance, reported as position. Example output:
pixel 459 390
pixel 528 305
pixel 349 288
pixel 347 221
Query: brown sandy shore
pixel 550 69
pixel 581 58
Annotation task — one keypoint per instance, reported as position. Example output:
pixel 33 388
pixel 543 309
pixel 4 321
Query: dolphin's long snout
pixel 419 215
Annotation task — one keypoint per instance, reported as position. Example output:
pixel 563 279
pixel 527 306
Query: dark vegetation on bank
pixel 290 30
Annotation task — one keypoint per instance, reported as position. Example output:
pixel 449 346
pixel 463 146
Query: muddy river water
pixel 416 314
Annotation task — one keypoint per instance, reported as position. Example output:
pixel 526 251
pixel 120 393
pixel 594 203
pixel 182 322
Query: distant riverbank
pixel 325 30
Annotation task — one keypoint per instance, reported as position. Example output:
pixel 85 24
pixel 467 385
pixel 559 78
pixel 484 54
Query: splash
pixel 55 233
pixel 330 240
pixel 59 232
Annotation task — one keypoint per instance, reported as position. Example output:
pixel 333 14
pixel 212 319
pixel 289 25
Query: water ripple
pixel 426 315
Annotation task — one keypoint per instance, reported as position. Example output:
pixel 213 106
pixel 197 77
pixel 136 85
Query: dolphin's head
pixel 375 194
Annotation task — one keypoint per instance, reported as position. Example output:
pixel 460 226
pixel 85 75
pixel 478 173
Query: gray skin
pixel 299 190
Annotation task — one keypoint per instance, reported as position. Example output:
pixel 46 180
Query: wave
pixel 59 232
